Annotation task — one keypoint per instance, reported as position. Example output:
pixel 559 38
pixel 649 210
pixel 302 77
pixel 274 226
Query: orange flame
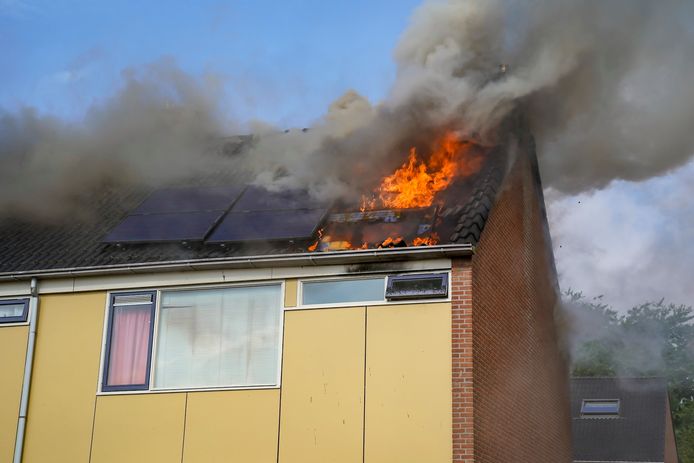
pixel 416 183
pixel 392 242
pixel 426 240
pixel 367 204
pixel 314 246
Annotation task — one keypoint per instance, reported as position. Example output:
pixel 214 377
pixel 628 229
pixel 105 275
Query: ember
pixel 391 242
pixel 426 240
pixel 314 246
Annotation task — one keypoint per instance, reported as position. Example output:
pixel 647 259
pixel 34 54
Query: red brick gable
pixel 510 378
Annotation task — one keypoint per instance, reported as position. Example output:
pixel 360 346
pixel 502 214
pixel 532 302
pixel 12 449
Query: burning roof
pixel 438 196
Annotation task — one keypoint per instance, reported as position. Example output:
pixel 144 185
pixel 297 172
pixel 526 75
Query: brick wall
pixel 462 404
pixel 520 381
pixel 670 442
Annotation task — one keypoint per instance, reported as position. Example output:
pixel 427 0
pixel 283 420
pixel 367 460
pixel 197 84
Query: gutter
pixel 28 367
pixel 360 256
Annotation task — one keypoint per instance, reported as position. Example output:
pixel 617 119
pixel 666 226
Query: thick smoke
pixel 144 134
pixel 604 86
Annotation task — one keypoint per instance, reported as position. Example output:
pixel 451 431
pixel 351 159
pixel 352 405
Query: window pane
pixel 600 407
pixel 219 337
pixel 420 285
pixel 12 310
pixel 129 354
pixel 339 291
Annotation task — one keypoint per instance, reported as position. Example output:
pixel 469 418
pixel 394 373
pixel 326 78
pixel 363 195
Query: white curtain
pixel 218 337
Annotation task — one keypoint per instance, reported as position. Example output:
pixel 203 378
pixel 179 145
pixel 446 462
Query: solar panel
pixel 257 198
pixel 191 214
pixel 148 228
pixel 169 200
pixel 175 214
pixel 267 225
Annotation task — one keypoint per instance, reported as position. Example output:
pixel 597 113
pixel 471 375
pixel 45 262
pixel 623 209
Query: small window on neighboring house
pixel 417 286
pixel 600 408
pixel 129 342
pixel 14 310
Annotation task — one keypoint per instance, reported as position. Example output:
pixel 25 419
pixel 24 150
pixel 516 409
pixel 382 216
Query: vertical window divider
pixel 104 340
pixel 280 351
pixel 155 339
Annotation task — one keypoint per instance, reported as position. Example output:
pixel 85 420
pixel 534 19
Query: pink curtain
pixel 129 345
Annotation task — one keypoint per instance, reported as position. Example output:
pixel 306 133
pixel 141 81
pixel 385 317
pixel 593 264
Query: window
pixel 219 337
pixel 129 342
pixel 342 291
pixel 204 338
pixel 600 408
pixel 417 286
pixel 14 310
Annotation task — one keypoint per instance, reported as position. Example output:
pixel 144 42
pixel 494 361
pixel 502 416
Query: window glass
pixel 600 407
pixel 343 291
pixel 417 286
pixel 12 311
pixel 218 337
pixel 129 347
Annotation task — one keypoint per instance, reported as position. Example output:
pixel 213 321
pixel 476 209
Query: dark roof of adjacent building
pixel 637 434
pixel 78 241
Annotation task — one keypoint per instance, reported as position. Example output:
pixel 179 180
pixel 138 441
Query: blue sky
pixel 282 62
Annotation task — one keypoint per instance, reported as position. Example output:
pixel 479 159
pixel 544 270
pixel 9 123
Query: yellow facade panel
pixel 65 378
pixel 13 344
pixel 290 293
pixel 229 426
pixel 408 384
pixel 322 386
pixel 139 428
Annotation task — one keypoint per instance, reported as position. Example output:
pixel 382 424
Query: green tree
pixel 651 339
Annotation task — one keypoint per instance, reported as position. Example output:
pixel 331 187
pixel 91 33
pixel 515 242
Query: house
pixel 171 347
pixel 622 420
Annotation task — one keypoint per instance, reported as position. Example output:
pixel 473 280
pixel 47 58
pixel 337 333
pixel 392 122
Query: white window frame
pixel 155 339
pixel 300 291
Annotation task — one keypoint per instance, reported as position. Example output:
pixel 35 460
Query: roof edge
pixel 359 256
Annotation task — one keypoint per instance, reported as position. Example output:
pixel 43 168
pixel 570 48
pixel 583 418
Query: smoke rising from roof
pixel 604 86
pixel 144 133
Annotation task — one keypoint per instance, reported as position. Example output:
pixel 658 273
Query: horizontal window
pixel 591 407
pixel 204 338
pixel 14 310
pixel 417 286
pixel 343 291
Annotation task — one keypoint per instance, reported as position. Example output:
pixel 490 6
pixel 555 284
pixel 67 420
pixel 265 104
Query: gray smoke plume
pixel 605 87
pixel 145 133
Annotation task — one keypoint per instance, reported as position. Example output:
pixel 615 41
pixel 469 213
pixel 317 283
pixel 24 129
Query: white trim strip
pixel 164 280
